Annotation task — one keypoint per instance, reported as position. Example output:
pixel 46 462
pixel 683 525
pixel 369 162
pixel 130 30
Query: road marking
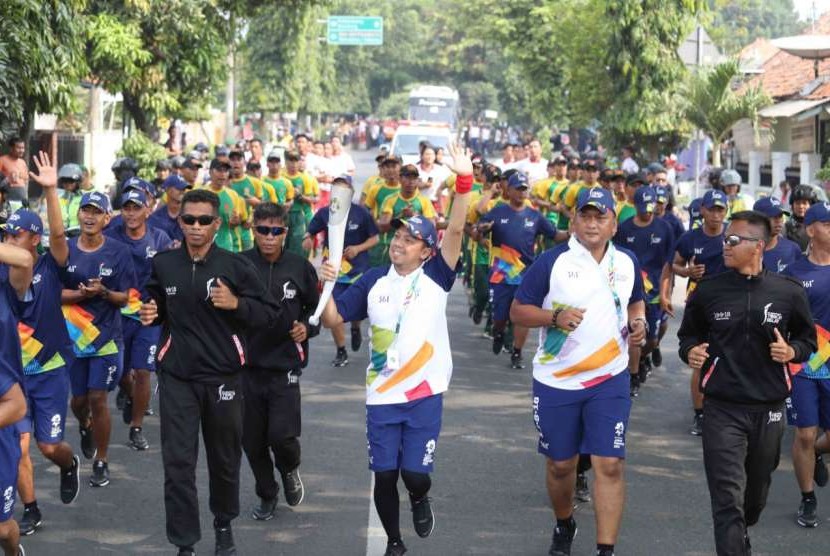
pixel 375 535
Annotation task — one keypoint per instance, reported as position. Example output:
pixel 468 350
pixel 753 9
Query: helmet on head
pixel 804 192
pixel 125 163
pixel 70 172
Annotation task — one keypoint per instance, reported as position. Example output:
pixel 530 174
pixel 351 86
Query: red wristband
pixel 463 184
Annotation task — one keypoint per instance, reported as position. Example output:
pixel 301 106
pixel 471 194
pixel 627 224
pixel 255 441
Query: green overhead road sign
pixel 354 30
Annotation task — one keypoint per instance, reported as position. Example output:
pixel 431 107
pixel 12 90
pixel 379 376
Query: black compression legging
pixel 387 501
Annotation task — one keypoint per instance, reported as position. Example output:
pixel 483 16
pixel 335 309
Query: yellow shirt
pixel 395 204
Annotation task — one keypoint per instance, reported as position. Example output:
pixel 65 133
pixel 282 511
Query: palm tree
pixel 713 106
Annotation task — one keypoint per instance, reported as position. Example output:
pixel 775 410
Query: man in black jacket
pixel 206 300
pixel 271 381
pixel 740 329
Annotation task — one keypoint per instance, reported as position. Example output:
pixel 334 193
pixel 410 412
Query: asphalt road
pixel 488 493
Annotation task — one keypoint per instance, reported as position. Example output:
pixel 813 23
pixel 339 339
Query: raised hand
pixel 461 163
pixel 47 175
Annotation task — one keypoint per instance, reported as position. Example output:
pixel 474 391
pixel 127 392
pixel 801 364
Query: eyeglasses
pixel 270 230
pixel 733 240
pixel 202 219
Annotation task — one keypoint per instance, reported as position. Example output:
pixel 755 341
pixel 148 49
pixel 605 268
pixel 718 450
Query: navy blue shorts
pixel 501 296
pixel 590 421
pixel 101 372
pixel 339 288
pixel 654 316
pixel 9 460
pixel 809 403
pixel 140 344
pixel 47 395
pixel 404 435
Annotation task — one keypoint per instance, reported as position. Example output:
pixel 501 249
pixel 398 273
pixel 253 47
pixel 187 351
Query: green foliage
pixel 736 23
pixel 145 151
pixel 40 59
pixel 395 105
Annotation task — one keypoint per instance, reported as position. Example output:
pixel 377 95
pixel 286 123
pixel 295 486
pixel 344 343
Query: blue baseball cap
pixel 23 220
pixel 175 181
pixel 518 180
pixel 136 196
pixel 137 183
pixel 644 199
pixel 597 197
pixel 97 200
pixel 344 178
pixel 818 212
pixel 770 206
pixel 714 198
pixel 694 209
pixel 419 227
pixel 662 194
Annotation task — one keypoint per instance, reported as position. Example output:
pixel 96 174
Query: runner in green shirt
pixel 226 236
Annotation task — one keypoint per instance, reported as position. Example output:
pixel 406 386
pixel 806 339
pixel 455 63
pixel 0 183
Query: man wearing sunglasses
pixel 698 253
pixel 208 301
pixel 271 379
pixel 361 236
pixel 740 329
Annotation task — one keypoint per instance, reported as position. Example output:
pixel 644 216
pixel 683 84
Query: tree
pixel 41 60
pixel 712 105
pixel 736 23
pixel 162 56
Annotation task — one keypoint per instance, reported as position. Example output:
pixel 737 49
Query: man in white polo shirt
pixel 586 296
pixel 410 360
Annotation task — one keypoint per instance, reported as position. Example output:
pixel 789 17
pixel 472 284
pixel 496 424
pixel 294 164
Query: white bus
pixel 433 103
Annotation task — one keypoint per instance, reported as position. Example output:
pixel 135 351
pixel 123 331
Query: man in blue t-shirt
pixel 665 211
pixel 166 216
pixel 651 239
pixel 809 407
pixel 698 253
pixel 780 251
pixel 14 292
pixel 46 348
pixel 513 228
pixel 140 342
pixel 99 276
pixel 361 235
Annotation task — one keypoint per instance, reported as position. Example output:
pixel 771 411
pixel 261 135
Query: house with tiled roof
pixel 795 134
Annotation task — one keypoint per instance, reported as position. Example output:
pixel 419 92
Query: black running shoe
pixel 341 359
pixel 645 369
pixel 357 339
pixel 127 411
pixel 820 472
pixel 87 442
pixel 563 538
pixel 265 510
pixel 656 357
pixel 422 517
pixel 583 493
pixel 516 360
pixel 806 513
pixel 137 440
pixel 478 313
pixel 634 386
pixel 224 540
pixel 394 548
pixel 100 474
pixel 120 398
pixel 186 551
pixel 292 485
pixel 71 481
pixel 30 521
pixel 498 342
pixel 697 425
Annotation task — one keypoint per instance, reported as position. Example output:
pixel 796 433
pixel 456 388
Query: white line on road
pixel 375 535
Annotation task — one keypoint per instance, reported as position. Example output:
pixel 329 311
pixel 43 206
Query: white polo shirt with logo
pixel 415 305
pixel 568 276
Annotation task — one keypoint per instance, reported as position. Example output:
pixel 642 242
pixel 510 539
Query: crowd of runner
pixel 102 291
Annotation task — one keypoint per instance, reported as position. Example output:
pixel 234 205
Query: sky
pixel 805 8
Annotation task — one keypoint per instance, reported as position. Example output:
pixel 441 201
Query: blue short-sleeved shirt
pixel 513 237
pixel 816 281
pixel 360 227
pixel 94 324
pixel 161 219
pixel 707 250
pixel 783 254
pixel 407 316
pixel 676 225
pixel 11 363
pixel 652 246
pixel 44 340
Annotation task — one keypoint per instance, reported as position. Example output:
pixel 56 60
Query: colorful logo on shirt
pixel 133 304
pixel 30 346
pixel 382 340
pixel 507 266
pixel 816 366
pixel 81 330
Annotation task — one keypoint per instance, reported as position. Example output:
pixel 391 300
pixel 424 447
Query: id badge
pixel 393 359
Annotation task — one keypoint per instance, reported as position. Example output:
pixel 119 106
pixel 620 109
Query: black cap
pixel 410 171
pixel 635 178
pixel 217 164
pixel 177 162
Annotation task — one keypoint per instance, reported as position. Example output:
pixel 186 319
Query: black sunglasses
pixel 733 240
pixel 270 230
pixel 202 219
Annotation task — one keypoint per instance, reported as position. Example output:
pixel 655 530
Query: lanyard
pixel 612 285
pixel 407 300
